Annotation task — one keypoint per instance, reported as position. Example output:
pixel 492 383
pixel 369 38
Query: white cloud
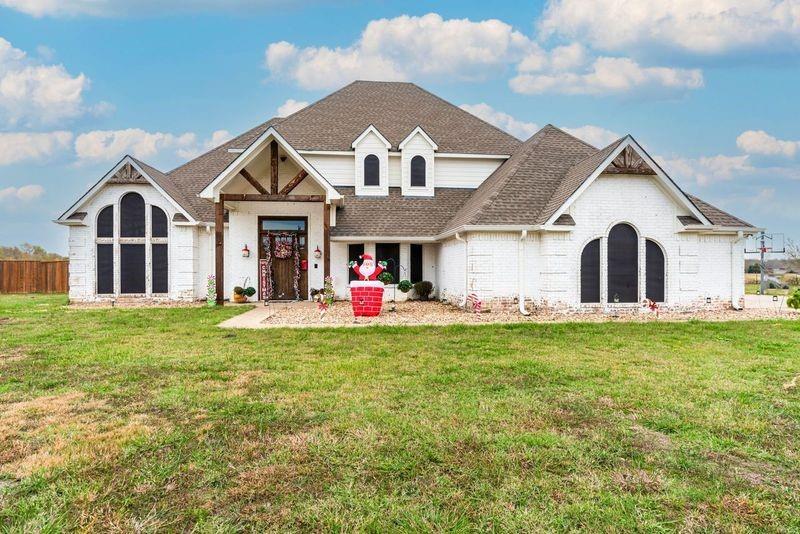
pixel 706 170
pixel 607 75
pixel 693 26
pixel 291 106
pixel 26 193
pixel 34 93
pixel 111 145
pixel 17 147
pixel 403 48
pixel 760 142
pixel 504 121
pixel 594 135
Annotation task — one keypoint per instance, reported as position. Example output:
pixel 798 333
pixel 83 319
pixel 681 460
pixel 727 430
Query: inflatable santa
pixel 366 293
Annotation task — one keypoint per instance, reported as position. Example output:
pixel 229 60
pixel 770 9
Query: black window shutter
pixel 416 263
pixel 160 268
pixel 354 253
pixel 590 272
pixel 131 221
pixel 105 222
pixel 158 222
pixel 131 269
pixel 390 253
pixel 372 170
pixel 654 265
pixel 623 264
pixel 417 171
pixel 105 269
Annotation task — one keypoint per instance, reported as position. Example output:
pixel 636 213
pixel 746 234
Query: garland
pixel 265 265
pixel 265 271
pixel 296 250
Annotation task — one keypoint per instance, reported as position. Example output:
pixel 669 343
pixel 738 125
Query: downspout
pixel 734 300
pixel 466 269
pixel 521 272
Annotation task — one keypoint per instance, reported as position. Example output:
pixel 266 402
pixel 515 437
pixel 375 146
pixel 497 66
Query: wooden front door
pixel 284 230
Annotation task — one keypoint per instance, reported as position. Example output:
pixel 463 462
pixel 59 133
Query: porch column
pixel 326 237
pixel 219 240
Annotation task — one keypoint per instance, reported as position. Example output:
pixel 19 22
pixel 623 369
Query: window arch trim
pixel 372 170
pixel 415 173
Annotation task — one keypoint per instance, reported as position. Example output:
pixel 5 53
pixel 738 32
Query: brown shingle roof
pixel 395 109
pixel 396 215
pixel 716 215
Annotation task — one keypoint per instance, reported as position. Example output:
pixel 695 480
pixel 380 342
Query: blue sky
pixel 710 90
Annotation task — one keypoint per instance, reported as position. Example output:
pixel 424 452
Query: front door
pixel 279 235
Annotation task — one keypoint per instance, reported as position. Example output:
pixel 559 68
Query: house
pixel 394 171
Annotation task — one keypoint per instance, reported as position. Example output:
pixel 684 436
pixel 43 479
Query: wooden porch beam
pixel 326 238
pixel 273 147
pixel 235 197
pixel 294 182
pixel 253 181
pixel 219 252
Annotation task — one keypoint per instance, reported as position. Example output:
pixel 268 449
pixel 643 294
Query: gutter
pixel 740 236
pixel 721 229
pixel 521 272
pixel 505 228
pixel 466 268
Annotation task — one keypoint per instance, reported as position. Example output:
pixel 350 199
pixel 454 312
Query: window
pixel 654 271
pixel 417 171
pixel 131 223
pixel 390 253
pixel 105 251
pixel 415 273
pixel 158 222
pixel 623 264
pixel 590 272
pixel 372 170
pixel 160 268
pixel 105 222
pixel 354 253
pixel 131 268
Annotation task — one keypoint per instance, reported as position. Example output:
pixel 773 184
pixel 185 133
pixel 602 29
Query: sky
pixel 709 87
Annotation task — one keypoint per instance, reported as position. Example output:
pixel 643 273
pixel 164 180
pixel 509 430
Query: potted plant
pixel 238 295
pixel 423 290
pixel 386 277
pixel 405 286
pixel 249 291
pixel 794 301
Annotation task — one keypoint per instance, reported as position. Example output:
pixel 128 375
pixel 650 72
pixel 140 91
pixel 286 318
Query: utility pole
pixel 763 264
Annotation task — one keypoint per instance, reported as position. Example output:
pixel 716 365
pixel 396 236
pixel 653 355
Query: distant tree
pixel 792 249
pixel 754 268
pixel 26 251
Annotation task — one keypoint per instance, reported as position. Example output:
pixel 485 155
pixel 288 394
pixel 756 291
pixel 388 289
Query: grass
pixel 753 285
pixel 156 420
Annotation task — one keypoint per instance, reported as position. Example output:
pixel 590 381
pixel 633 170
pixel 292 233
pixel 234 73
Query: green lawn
pixel 754 289
pixel 154 420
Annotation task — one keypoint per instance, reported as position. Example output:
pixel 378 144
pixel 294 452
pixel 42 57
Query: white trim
pixel 236 150
pixel 209 192
pixel 102 181
pixel 471 156
pixel 666 181
pixel 384 239
pixel 374 130
pixel 721 229
pixel 395 154
pixel 418 130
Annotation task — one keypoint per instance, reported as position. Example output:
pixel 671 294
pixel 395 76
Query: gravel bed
pixel 434 313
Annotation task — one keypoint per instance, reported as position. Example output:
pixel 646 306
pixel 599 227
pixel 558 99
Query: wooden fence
pixel 23 276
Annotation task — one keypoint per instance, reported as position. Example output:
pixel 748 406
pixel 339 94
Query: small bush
pixel 405 286
pixel 754 268
pixel 238 290
pixel 386 277
pixel 794 300
pixel 423 290
pixel 250 291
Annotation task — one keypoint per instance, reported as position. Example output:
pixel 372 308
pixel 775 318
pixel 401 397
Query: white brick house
pixel 391 170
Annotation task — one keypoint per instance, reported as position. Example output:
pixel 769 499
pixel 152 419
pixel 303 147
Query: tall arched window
pixel 159 264
pixel 623 264
pixel 372 170
pixel 417 171
pixel 105 251
pixel 590 272
pixel 132 244
pixel 654 271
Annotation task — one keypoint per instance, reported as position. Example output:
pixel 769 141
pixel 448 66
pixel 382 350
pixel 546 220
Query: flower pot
pixel 239 299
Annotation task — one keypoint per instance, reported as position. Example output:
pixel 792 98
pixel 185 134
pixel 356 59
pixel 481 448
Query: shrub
pixel 423 290
pixel 386 277
pixel 754 268
pixel 238 290
pixel 794 300
pixel 405 286
pixel 250 291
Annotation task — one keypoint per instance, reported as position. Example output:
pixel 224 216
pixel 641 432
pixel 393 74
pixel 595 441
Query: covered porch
pixel 272 222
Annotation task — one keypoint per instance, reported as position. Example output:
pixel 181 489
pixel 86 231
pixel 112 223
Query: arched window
pixel 372 170
pixel 654 271
pixel 623 264
pixel 105 251
pixel 159 264
pixel 417 171
pixel 590 272
pixel 131 222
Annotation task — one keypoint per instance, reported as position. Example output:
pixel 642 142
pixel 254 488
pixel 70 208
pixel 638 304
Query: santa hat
pixel 366 257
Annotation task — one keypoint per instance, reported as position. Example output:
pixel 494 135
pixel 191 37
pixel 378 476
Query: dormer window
pixel 372 170
pixel 417 171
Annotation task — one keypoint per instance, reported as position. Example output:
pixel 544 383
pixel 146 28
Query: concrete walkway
pixel 255 318
pixel 766 302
